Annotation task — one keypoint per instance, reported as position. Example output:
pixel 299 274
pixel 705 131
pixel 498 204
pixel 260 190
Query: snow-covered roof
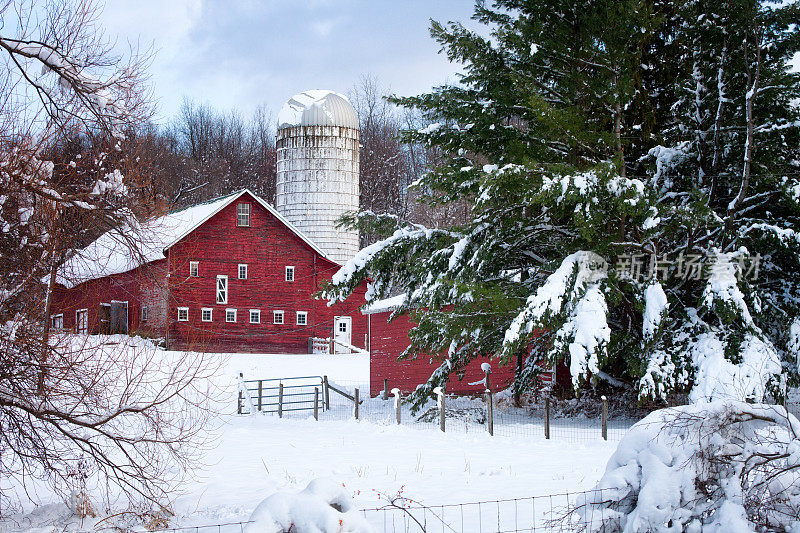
pixel 382 306
pixel 317 108
pixel 124 249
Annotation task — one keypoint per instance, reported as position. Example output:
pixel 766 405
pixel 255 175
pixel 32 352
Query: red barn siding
pixel 389 339
pixel 141 286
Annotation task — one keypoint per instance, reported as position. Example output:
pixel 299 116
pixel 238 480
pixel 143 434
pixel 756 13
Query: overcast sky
pixel 243 53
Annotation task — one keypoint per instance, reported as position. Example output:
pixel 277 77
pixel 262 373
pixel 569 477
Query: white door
pixel 342 333
pixel 82 321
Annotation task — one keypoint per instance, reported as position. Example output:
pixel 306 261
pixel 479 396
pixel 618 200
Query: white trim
pixel 239 271
pixel 196 266
pixel 229 310
pixel 217 292
pixel 265 205
pixel 275 314
pixel 53 317
pixel 257 312
pixel 289 268
pixel 187 314
pixel 210 314
pixel 304 314
pixel 144 314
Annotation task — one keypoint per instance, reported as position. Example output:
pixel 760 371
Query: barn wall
pixel 267 246
pixel 142 286
pixel 389 339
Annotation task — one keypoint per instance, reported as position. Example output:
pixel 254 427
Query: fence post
pixel 355 401
pixel 440 393
pixel 547 418
pixel 260 388
pixel 385 389
pixel 326 393
pixel 316 403
pixel 489 412
pixel 239 404
pixel 605 417
pixel 396 394
pixel 280 400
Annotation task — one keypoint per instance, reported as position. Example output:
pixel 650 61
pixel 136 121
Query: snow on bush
pixel 324 506
pixel 709 467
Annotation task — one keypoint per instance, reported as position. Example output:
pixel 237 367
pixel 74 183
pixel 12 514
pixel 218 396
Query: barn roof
pixel 125 248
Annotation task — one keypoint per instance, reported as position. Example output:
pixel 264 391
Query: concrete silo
pixel 318 168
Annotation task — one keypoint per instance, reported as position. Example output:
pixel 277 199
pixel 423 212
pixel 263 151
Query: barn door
pixel 119 317
pixel 105 319
pixel 82 321
pixel 342 333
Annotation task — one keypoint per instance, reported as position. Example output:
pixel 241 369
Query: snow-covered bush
pixel 719 466
pixel 324 506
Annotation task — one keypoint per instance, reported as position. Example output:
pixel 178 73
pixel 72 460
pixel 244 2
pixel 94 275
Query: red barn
pixel 387 340
pixel 227 275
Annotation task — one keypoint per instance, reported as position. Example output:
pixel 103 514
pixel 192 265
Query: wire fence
pixel 549 513
pixel 335 401
pixel 554 512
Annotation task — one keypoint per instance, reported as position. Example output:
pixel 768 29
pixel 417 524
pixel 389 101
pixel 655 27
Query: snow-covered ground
pixel 255 456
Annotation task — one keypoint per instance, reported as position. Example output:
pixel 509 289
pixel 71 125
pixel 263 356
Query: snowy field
pixel 252 457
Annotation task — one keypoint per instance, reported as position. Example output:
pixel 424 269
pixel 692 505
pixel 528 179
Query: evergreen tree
pixel 630 165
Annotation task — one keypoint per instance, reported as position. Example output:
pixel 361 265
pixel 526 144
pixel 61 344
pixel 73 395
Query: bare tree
pixel 71 407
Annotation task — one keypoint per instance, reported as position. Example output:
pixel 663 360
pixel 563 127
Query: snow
pixel 574 289
pixel 723 286
pixel 681 469
pixel 322 506
pixel 654 308
pixel 250 459
pixel 387 304
pixel 291 114
pixel 717 377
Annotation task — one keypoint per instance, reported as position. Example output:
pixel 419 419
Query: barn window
pixel 183 314
pixel 289 273
pixel 145 313
pixel 243 214
pixel 230 315
pixel 277 317
pixel 194 268
pixel 242 271
pixel 302 318
pixel 342 327
pixel 222 289
pixel 206 314
pixel 255 316
pixel 57 321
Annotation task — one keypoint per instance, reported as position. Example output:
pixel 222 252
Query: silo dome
pixel 318 108
pixel 318 168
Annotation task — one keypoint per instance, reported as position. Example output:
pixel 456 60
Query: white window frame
pixel 303 314
pixel 289 273
pixel 242 211
pixel 257 313
pixel 227 311
pixel 222 294
pixel 194 269
pixel 210 314
pixel 239 271
pixel 186 310
pixel 144 314
pixel 54 317
pixel 342 323
pixel 278 313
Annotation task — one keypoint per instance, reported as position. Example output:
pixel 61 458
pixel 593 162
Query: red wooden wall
pixel 389 339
